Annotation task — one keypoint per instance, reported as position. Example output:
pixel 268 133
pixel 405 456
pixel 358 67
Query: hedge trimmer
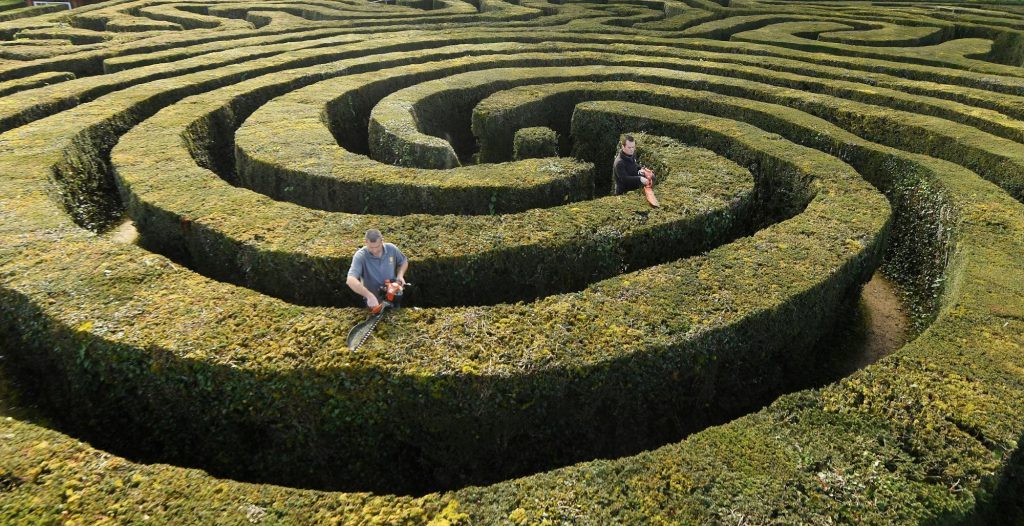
pixel 649 188
pixel 358 335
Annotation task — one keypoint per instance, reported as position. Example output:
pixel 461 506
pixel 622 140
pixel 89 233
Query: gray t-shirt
pixel 374 270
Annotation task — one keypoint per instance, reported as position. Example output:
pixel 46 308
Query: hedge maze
pixel 567 356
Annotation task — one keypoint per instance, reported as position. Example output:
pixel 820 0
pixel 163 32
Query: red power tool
pixel 649 188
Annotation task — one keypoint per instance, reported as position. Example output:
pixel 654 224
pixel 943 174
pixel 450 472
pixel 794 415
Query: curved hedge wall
pixel 567 356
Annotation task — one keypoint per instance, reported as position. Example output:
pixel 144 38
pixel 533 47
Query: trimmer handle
pixel 392 290
pixel 649 175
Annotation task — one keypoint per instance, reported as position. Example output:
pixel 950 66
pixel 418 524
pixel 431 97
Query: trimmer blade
pixel 358 335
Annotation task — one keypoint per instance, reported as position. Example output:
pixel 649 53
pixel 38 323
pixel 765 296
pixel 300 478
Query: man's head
pixel 374 241
pixel 628 144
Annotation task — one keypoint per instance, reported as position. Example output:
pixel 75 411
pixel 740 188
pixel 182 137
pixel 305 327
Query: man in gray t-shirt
pixel 372 265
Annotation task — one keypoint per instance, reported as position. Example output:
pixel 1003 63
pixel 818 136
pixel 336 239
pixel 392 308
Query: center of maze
pixel 799 148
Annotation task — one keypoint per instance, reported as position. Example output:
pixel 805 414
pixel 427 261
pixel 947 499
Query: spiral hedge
pixel 566 356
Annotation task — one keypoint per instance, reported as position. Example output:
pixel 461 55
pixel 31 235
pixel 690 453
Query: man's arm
pixel 400 275
pixel 403 265
pixel 357 287
pixel 356 284
pixel 646 175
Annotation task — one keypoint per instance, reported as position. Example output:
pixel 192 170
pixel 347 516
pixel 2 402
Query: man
pixel 372 265
pixel 629 175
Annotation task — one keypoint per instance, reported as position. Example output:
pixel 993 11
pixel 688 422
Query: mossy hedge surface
pixel 797 146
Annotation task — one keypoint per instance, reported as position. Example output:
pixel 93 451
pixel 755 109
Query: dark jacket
pixel 627 173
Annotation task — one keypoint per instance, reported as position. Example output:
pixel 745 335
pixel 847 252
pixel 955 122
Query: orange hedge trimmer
pixel 358 335
pixel 649 188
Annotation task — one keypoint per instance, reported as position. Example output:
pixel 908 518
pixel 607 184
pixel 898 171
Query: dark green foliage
pixel 925 226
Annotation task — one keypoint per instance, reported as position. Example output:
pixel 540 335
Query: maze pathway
pixel 566 356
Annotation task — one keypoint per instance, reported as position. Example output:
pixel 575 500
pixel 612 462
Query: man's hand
pixel 643 180
pixel 648 173
pixel 401 281
pixel 371 301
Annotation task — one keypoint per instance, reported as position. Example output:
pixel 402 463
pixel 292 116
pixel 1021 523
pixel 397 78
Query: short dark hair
pixel 627 138
pixel 373 235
